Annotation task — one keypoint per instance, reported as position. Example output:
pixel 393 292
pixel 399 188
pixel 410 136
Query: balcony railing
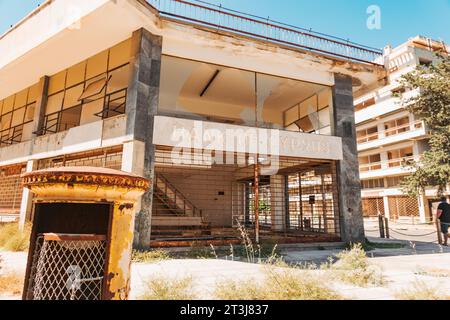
pixel 220 18
pixel 393 163
pixel 390 132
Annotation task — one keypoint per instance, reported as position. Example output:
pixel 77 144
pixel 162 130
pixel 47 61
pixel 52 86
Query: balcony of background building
pixel 371 138
pixel 390 163
pixel 384 103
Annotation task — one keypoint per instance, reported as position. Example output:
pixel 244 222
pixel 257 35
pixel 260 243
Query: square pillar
pixel 349 185
pixel 387 212
pixel 141 108
pixel 41 104
pixel 26 206
pixel 424 214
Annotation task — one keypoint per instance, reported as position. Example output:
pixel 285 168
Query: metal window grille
pixel 372 207
pixel 403 206
pixel 67 267
pixel 107 158
pixel 11 188
pixel 203 196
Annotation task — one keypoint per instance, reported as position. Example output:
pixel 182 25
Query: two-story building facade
pixel 389 136
pixel 218 109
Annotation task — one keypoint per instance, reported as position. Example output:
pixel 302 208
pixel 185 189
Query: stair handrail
pixel 195 210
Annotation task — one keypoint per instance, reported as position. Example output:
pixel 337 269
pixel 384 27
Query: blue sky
pixel 400 19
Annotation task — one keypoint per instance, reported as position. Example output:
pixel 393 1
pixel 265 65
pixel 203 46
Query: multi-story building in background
pixel 389 136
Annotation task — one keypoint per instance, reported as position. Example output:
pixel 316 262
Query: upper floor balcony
pixel 372 138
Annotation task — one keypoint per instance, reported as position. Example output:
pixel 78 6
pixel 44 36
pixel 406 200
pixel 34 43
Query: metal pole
pixel 256 192
pixel 438 230
pixel 381 226
pixel 386 225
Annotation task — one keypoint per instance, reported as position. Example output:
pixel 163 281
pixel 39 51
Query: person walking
pixel 443 214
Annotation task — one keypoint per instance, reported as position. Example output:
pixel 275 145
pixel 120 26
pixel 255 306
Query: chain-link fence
pixel 67 267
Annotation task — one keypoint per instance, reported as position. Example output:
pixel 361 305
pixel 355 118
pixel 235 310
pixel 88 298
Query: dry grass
pixel 149 256
pixel 11 284
pixel 433 272
pixel 421 291
pixel 287 284
pixel 164 288
pixel 11 239
pixel 353 268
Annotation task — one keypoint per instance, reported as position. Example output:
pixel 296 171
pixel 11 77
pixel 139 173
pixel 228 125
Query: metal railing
pixel 407 127
pixel 393 163
pixel 174 198
pixel 220 18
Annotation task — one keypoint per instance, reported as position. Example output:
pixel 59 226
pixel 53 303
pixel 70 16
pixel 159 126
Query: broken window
pixel 89 91
pixel 16 116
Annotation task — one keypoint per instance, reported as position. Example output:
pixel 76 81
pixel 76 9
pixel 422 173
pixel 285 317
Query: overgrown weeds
pixel 151 256
pixel 285 284
pixel 421 291
pixel 353 267
pixel 164 288
pixel 11 284
pixel 12 239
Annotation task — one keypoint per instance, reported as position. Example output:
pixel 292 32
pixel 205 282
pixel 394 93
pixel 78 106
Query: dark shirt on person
pixel 445 208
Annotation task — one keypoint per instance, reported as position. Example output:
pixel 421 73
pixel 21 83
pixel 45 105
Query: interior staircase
pixel 174 215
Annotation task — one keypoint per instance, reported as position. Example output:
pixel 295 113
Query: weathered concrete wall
pixel 352 223
pixel 141 108
pixel 95 135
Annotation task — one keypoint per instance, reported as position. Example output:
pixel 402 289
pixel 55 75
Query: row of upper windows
pixel 88 91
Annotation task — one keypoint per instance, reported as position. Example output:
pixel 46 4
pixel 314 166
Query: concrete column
pixel 133 162
pixel 141 108
pixel 423 209
pixel 384 160
pixel 349 185
pixel 26 206
pixel 412 119
pixel 387 212
pixel 381 130
pixel 277 203
pixel 41 103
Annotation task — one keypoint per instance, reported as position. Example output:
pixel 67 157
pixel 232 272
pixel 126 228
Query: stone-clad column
pixel 41 104
pixel 142 105
pixel 349 185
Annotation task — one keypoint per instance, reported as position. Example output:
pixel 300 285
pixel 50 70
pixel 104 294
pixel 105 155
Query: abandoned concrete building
pixel 239 122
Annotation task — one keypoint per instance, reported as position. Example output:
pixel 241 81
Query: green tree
pixel 433 106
